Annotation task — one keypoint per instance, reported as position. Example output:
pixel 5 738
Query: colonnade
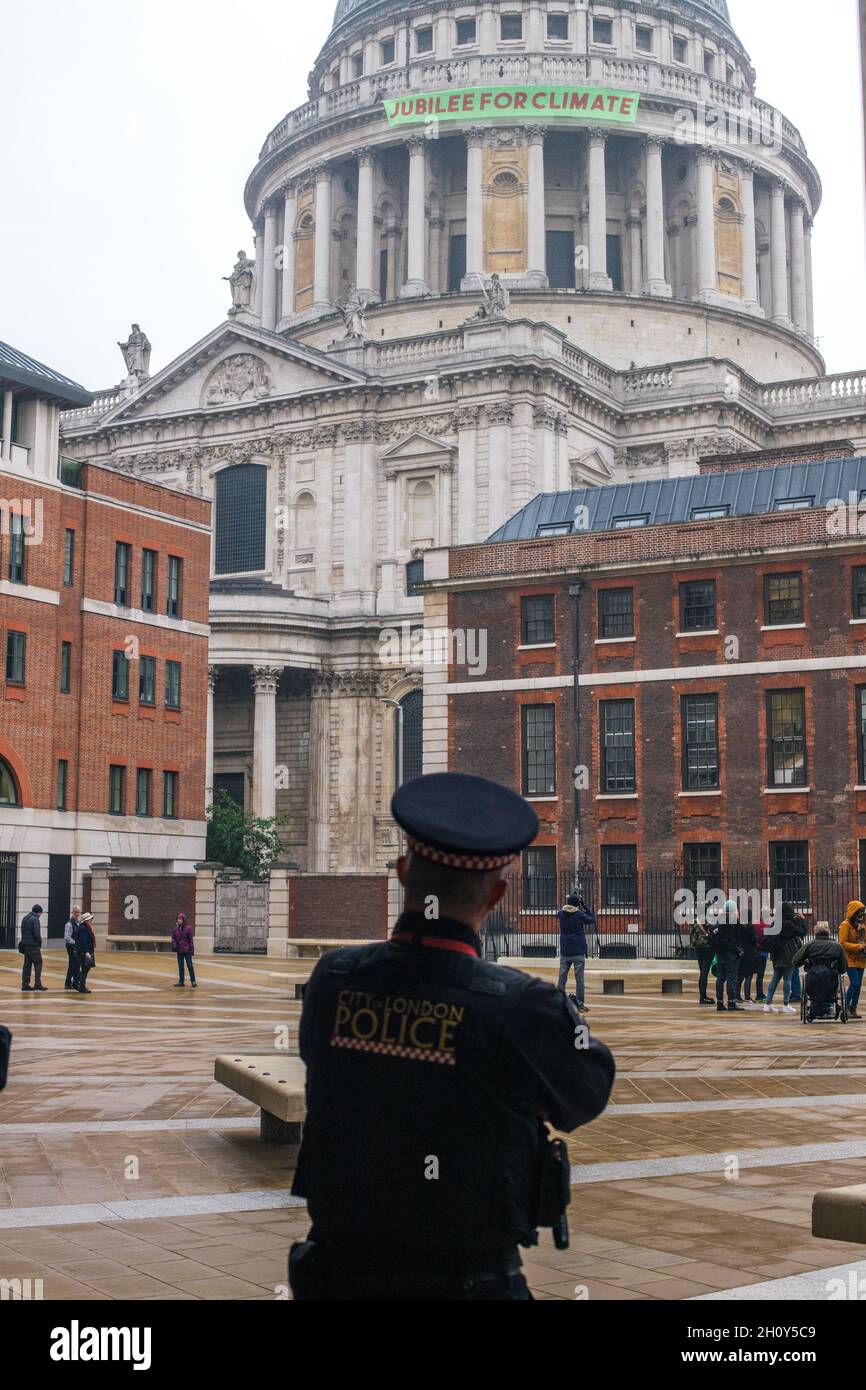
pixel 787 250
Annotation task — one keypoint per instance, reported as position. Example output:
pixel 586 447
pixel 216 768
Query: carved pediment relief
pixel 237 379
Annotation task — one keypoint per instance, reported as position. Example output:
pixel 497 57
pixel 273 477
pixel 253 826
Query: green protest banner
pixel 524 103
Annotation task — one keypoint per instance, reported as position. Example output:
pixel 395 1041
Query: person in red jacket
pixel 183 942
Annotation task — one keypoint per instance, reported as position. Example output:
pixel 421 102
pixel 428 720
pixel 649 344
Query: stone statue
pixel 495 302
pixel 353 307
pixel 242 282
pixel 136 353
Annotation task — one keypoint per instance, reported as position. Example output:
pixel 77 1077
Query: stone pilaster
pixel 365 274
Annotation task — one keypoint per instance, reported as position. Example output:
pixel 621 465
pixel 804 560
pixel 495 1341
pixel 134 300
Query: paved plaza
pixel 126 1172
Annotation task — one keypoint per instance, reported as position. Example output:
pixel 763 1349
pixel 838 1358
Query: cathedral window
pixel 643 38
pixel 680 50
pixel 389 52
pixel 241 519
pixel 602 31
pixel 557 26
pixel 424 39
pixel 466 31
pixel 511 26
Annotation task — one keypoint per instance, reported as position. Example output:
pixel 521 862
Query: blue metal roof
pixel 658 501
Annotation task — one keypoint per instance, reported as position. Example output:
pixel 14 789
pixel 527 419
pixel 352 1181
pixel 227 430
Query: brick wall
pixel 772 458
pixel 39 725
pixel 160 898
pixel 345 906
pixel 656 670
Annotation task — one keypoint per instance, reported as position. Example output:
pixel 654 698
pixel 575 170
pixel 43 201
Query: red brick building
pixel 103 661
pixel 675 675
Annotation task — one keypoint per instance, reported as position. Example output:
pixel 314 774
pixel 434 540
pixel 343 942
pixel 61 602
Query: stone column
pixel 416 282
pixel 354 707
pixel 265 680
pixel 633 226
pixel 259 246
pixel 537 228
pixel 212 678
pixel 779 254
pixel 322 273
pixel 707 271
pixel 466 425
pixel 810 299
pixel 320 774
pixel 765 278
pixel 598 276
pixel 655 283
pixel 750 244
pixel 290 212
pixel 365 274
pixel 269 269
pixel 474 208
pixel 798 267
pixel 675 253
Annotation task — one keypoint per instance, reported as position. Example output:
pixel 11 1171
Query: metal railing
pixel 647 915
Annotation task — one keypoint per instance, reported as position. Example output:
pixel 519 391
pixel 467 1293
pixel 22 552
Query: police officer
pixel 430 1073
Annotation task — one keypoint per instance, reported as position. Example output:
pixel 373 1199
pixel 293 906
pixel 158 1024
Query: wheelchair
pixel 835 1009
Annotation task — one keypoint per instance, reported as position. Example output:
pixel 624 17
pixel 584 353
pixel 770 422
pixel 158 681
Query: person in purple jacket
pixel 573 920
pixel 183 942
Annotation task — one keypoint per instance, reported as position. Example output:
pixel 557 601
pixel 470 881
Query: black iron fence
pixel 648 915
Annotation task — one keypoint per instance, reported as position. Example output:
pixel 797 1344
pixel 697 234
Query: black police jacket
pixel 428 1074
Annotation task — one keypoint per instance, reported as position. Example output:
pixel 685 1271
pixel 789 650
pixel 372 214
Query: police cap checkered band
pixel 464 822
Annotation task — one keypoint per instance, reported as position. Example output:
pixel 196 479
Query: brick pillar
pixel 205 906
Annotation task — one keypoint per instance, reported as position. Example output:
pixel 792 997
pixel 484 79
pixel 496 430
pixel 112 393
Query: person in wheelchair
pixel 825 963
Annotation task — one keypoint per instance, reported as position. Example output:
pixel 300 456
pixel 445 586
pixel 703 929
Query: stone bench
pixel 839 1213
pixel 138 943
pixel 668 981
pixel 273 1082
pixel 299 948
pixel 295 983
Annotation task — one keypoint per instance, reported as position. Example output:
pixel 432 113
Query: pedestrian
pixel 85 950
pixel 725 941
pixel 573 920
pixel 852 937
pixel 183 942
pixel 431 1072
pixel 699 940
pixel 71 953
pixel 784 946
pixel 30 947
pixel 751 963
pixel 5 1049
pixel 825 963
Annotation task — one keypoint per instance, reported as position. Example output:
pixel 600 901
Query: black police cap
pixel 464 822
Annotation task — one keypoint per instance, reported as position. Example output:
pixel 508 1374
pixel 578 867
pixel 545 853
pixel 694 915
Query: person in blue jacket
pixel 573 920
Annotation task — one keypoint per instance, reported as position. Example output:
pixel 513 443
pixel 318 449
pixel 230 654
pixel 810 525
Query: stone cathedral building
pixel 372 395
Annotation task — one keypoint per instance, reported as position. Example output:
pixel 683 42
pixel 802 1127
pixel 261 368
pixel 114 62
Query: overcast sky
pixel 129 132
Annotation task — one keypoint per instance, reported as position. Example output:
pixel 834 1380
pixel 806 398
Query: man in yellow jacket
pixel 852 935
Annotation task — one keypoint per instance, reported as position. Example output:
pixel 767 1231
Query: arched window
pixel 423 512
pixel 413 735
pixel 305 521
pixel 240 521
pixel 9 795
